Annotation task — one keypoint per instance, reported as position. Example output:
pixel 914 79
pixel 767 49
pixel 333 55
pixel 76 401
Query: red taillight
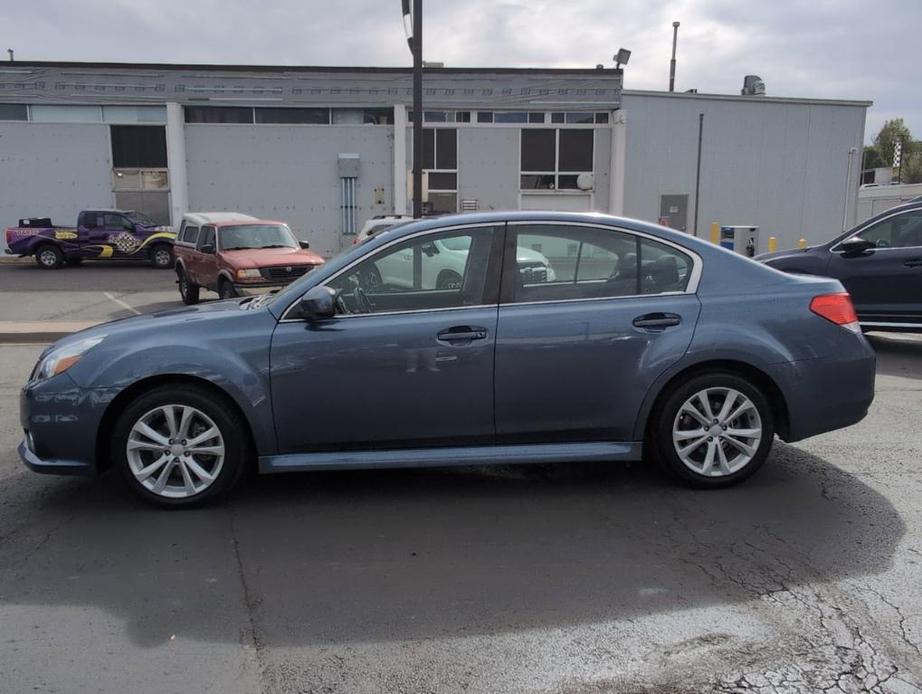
pixel 836 308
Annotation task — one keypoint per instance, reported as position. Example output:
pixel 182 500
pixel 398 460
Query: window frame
pixel 510 256
pixel 870 224
pixel 557 172
pixel 202 235
pixel 435 161
pixel 491 291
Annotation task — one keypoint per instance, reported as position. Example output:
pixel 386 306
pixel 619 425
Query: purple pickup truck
pixel 99 235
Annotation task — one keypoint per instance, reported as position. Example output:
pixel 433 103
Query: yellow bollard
pixel 715 232
pixel 772 244
pixel 802 243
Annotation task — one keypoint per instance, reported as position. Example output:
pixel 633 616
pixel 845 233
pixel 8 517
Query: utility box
pixel 740 239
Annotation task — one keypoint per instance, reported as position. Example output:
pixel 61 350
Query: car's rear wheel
pixel 179 446
pixel 713 430
pixel 226 290
pixel 161 257
pixel 188 290
pixel 49 257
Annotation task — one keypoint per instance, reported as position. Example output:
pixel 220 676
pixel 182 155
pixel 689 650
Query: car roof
pixel 218 217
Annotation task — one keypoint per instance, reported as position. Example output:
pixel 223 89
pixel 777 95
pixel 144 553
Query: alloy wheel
pixel 717 432
pixel 175 451
pixel 48 258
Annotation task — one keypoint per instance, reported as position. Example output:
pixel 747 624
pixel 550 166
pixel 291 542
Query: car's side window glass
pixel 432 271
pixel 116 221
pixel 663 268
pixel 206 237
pixel 900 231
pixel 190 234
pixel 558 262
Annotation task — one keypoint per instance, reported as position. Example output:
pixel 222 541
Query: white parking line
pixel 121 303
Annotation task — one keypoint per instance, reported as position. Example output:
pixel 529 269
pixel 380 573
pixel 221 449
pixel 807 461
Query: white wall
pixel 289 173
pixel 53 169
pixel 777 165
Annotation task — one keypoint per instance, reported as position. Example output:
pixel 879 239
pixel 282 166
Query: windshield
pixel 139 218
pixel 247 236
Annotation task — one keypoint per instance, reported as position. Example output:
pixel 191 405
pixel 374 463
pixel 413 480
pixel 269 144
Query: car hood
pixel 266 257
pixel 778 255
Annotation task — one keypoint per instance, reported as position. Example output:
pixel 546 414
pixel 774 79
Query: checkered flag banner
pixel 125 242
pixel 897 153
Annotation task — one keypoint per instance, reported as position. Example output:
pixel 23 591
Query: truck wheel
pixel 226 290
pixel 49 257
pixel 161 257
pixel 188 290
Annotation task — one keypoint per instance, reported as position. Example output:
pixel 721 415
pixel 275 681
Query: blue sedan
pixel 630 341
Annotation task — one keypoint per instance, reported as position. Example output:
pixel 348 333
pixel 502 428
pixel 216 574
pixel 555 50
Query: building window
pixel 378 116
pixel 305 116
pixel 440 163
pixel 13 112
pixel 138 146
pixel 601 117
pixel 219 114
pixel 510 117
pixel 553 158
pixel 484 116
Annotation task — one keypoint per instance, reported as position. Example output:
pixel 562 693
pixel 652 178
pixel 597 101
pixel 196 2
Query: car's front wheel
pixel 713 430
pixel 180 446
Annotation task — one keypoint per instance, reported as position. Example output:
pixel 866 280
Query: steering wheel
pixel 362 301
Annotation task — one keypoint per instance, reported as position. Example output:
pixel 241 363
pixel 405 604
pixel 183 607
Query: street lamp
pixel 621 57
pixel 413 26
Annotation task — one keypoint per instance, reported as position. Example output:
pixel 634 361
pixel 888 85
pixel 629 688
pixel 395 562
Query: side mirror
pixel 856 246
pixel 319 303
pixel 207 248
pixel 304 244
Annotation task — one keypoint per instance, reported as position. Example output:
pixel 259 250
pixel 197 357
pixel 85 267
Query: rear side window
pixel 560 263
pixel 189 235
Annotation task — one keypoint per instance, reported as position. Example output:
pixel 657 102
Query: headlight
pixel 60 359
pixel 249 274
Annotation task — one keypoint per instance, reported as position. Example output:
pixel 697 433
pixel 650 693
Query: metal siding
pixel 488 167
pixel 601 169
pixel 780 166
pixel 53 170
pixel 289 173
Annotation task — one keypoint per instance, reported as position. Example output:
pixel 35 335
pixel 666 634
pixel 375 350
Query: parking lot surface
pixel 588 578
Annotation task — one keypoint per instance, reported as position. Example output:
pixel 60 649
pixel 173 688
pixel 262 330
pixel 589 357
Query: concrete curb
pixel 30 332
pixel 14 260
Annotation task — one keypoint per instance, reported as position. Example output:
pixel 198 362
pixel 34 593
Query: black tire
pixel 161 256
pixel 73 260
pixel 49 257
pixel 237 446
pixel 448 279
pixel 188 290
pixel 226 290
pixel 667 412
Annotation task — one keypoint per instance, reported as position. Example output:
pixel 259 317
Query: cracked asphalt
pixel 551 578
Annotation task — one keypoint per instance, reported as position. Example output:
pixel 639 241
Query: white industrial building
pixel 325 148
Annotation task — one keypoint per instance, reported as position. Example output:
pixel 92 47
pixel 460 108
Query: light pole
pixel 413 25
pixel 675 38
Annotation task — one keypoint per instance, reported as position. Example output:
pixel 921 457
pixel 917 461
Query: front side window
pixel 434 271
pixel 559 263
pixel 900 231
pixel 116 221
pixel 206 238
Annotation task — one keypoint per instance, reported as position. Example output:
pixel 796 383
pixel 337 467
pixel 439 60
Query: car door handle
pixel 462 333
pixel 657 321
pixel 913 262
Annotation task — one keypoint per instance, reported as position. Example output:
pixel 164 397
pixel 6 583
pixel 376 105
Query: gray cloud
pixel 824 48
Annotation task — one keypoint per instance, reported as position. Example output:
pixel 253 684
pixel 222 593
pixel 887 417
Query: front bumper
pixel 256 288
pixel 60 422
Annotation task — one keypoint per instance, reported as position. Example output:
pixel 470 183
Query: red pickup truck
pixel 237 255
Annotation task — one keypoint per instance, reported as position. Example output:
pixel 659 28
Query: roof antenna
pixel 10 51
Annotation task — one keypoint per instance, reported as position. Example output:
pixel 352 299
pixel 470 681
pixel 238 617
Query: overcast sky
pixel 847 49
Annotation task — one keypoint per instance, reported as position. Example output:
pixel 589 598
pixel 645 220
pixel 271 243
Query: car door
pixel 885 281
pixel 579 346
pixel 203 260
pixel 118 232
pixel 404 364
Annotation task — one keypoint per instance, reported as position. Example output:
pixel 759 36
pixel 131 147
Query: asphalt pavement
pixel 550 578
